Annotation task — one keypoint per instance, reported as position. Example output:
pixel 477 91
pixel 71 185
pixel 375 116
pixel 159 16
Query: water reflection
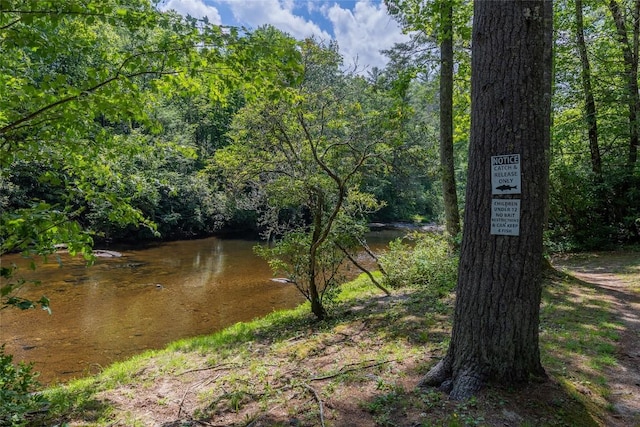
pixel 145 299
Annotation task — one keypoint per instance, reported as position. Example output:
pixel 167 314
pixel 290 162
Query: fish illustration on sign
pixel 507 187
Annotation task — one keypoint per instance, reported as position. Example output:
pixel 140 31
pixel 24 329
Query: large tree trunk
pixel 589 101
pixel 447 167
pixel 495 329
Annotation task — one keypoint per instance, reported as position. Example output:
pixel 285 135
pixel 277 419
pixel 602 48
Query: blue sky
pixel 361 27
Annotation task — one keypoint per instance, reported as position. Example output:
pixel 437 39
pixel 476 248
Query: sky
pixel 362 28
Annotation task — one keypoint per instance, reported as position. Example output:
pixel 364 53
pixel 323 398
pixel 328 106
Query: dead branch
pixel 346 369
pixel 364 270
pixel 202 383
pixel 368 250
pixel 222 367
pixel 315 394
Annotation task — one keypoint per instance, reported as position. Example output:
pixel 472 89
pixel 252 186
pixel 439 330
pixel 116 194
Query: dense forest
pixel 121 122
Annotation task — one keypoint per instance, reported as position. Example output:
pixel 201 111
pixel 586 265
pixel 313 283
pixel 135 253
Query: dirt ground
pixel 618 276
pixel 364 372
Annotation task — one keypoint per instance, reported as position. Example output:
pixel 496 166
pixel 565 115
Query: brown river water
pixel 143 300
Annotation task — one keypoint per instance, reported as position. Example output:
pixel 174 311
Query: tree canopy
pixel 114 118
pixel 302 159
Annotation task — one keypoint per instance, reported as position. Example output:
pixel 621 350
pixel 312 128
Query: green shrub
pixel 17 385
pixel 425 261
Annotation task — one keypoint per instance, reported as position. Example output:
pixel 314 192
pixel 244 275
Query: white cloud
pixel 195 8
pixel 362 28
pixel 278 13
pixel 363 32
pixel 313 5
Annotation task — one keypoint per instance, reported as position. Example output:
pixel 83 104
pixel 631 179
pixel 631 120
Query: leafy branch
pixel 11 126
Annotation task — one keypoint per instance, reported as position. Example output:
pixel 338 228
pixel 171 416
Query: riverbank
pixel 361 368
pixel 144 299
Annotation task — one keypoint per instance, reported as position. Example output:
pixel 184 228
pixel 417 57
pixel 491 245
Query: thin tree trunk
pixel 368 250
pixel 633 146
pixel 629 52
pixel 447 167
pixel 363 269
pixel 314 294
pixel 496 320
pixel 589 101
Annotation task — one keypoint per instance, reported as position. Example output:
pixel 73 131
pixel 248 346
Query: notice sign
pixel 505 174
pixel 505 217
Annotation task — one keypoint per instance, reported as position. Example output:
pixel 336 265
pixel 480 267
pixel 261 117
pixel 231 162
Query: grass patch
pixel 360 367
pixel 631 275
pixel 578 340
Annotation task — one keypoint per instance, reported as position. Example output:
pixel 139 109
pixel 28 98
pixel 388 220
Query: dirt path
pixel 618 276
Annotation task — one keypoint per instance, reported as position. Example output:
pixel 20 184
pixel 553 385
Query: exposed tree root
pixel 436 375
pixel 464 385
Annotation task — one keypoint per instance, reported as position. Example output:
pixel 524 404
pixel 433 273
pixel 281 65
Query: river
pixel 143 300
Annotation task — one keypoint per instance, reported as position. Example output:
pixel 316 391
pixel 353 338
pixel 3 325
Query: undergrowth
pixel 18 399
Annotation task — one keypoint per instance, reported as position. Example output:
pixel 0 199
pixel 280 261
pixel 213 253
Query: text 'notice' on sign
pixel 505 217
pixel 505 174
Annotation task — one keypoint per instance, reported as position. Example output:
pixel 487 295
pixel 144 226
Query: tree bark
pixel 589 101
pixel 495 329
pixel 317 206
pixel 447 167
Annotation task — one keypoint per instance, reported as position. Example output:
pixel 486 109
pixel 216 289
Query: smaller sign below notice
pixel 505 217
pixel 505 174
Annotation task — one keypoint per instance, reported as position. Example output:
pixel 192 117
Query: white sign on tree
pixel 505 217
pixel 505 174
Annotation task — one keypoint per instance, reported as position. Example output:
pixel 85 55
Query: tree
pixel 629 46
pixel 495 330
pixel 412 188
pixel 589 101
pixel 594 65
pixel 78 79
pixel 301 158
pixel 447 166
pixel 435 19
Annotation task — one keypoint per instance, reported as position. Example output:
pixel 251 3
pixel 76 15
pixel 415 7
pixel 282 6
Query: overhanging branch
pixel 11 126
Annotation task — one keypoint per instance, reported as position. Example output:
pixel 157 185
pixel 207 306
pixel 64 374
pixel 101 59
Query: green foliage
pixel 426 17
pixel 591 209
pixel 88 144
pixel 290 256
pixel 17 386
pixel 36 230
pixel 114 109
pixel 587 213
pixel 49 120
pixel 425 261
pixel 300 159
pixel 429 24
pixel 108 103
pixel 409 185
pixel 112 113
